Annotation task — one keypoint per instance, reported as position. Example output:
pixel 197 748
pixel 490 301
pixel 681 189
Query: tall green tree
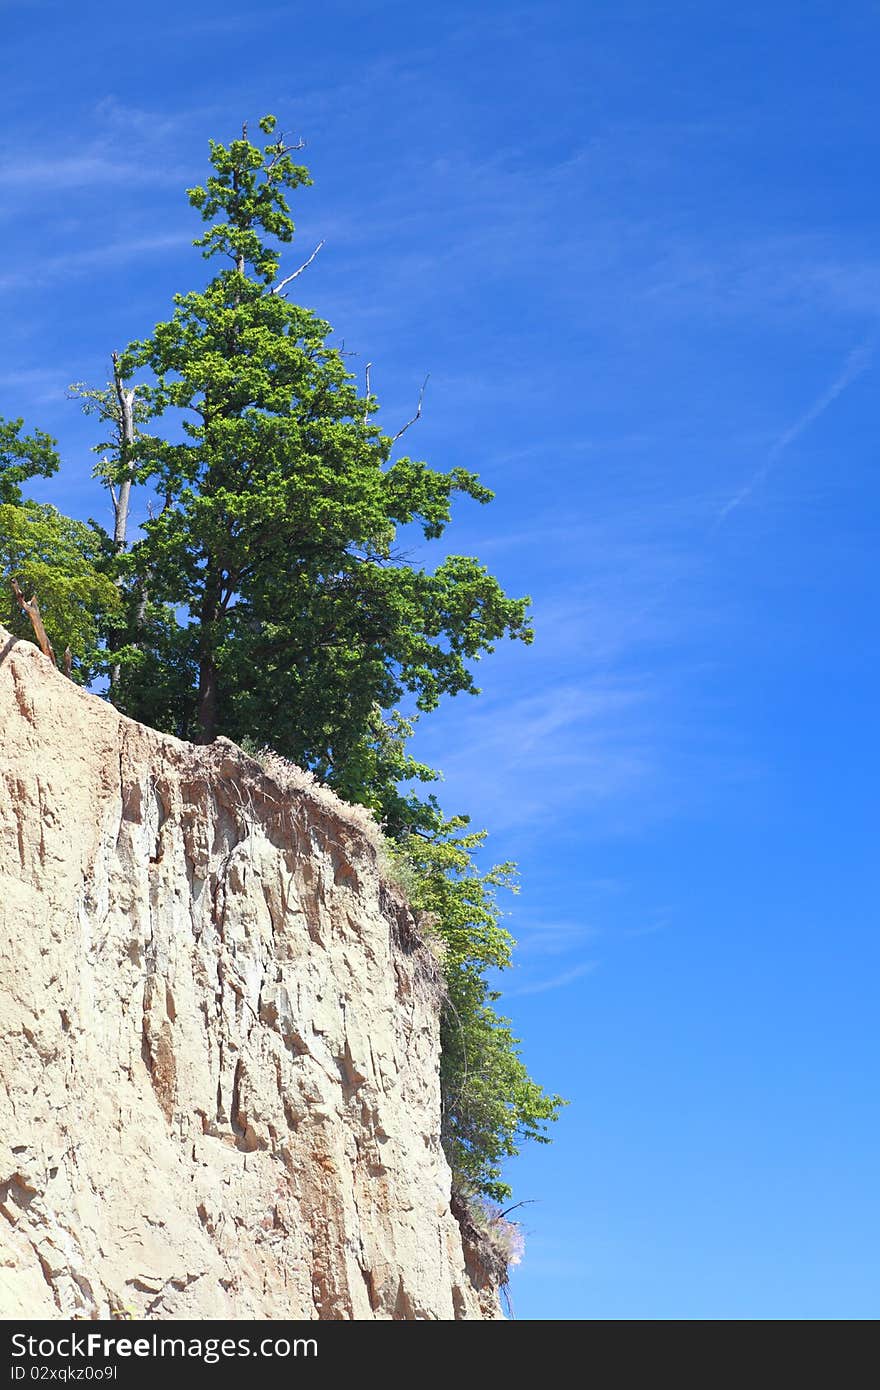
pixel 275 550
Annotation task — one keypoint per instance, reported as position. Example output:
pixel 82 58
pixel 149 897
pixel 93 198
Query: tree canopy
pixel 281 507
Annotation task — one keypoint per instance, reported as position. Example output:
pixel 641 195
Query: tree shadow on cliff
pixel 7 647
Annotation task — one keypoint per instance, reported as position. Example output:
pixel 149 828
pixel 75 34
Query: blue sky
pixel 638 249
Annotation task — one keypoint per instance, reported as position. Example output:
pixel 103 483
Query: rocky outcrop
pixel 219 1062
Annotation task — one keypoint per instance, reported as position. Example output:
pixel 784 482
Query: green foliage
pixel 276 544
pixel 60 560
pixel 247 188
pixel 155 659
pixel 377 764
pixel 490 1103
pixel 23 457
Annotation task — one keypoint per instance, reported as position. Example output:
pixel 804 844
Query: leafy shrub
pixel 490 1103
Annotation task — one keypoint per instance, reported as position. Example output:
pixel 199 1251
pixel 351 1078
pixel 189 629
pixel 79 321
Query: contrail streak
pixel 858 361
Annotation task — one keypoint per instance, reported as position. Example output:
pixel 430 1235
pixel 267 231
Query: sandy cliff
pixel 219 1090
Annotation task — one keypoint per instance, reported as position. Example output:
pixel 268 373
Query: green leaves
pixel 282 511
pixel 22 457
pixel 61 561
pixel 490 1103
pixel 246 191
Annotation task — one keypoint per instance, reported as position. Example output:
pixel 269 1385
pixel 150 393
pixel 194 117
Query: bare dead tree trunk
pixel 207 711
pixel 125 398
pixel 31 608
pixel 208 614
pixel 236 187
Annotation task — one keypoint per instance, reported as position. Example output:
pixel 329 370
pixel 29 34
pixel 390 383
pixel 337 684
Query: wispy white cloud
pixel 63 172
pixel 649 928
pixel 87 258
pixel 122 122
pixel 567 977
pixel 39 385
pixel 524 762
pixel 248 20
pixel 598 725
pixel 765 278
pixel 551 938
pixel 120 146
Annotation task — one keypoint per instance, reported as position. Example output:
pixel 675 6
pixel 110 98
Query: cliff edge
pixel 219 1041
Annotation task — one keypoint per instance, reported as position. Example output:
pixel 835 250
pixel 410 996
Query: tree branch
pixel 529 1202
pixel 418 414
pixel 305 265
pixel 367 394
pixel 281 150
pixel 31 608
pixel 151 510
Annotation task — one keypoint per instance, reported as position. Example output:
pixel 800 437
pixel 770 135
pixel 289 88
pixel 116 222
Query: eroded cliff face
pixel 219 1061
